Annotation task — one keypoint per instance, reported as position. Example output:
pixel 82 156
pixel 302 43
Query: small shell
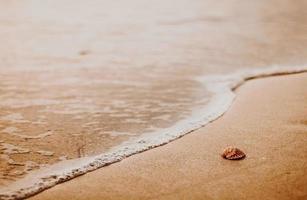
pixel 232 153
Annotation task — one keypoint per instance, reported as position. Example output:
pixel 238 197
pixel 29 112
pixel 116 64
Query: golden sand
pixel 267 120
pixel 79 78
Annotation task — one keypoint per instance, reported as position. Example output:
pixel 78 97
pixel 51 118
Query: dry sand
pixel 267 121
pixel 71 70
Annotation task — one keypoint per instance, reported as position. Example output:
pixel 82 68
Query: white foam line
pixel 222 87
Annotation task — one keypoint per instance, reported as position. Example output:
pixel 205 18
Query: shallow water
pixel 80 78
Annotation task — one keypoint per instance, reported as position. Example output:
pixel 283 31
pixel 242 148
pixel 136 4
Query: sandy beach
pixel 267 121
pixel 84 85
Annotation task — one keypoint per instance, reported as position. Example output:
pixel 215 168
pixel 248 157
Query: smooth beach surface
pixel 267 121
pixel 91 83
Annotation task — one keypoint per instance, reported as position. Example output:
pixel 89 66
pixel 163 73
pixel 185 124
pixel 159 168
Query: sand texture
pixel 80 78
pixel 267 121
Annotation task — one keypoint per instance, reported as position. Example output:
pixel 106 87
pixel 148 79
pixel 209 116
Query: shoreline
pixel 137 171
pixel 223 87
pixel 85 90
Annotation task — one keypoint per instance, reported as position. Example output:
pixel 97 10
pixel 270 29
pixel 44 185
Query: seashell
pixel 233 153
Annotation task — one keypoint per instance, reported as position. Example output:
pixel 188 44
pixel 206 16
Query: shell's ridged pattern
pixel 233 153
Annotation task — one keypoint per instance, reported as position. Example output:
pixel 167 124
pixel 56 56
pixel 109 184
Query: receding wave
pixel 221 86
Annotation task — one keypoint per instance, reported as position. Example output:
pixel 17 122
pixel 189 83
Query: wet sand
pixel 267 121
pixel 69 77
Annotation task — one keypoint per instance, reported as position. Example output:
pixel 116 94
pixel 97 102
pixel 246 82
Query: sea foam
pixel 221 86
